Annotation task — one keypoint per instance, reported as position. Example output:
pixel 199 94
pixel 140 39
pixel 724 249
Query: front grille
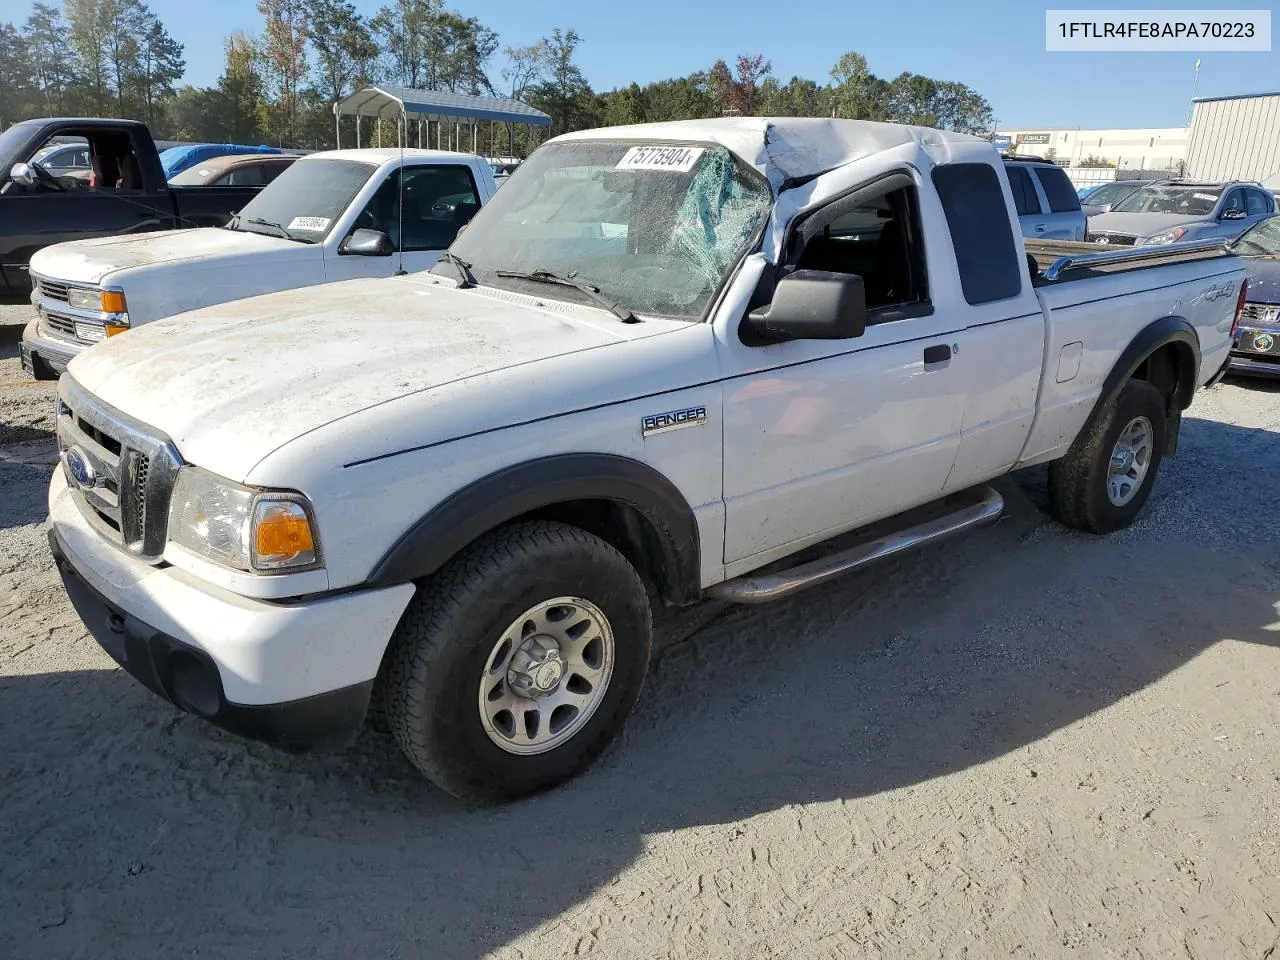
pixel 1260 313
pixel 141 467
pixel 51 290
pixel 60 326
pixel 126 470
pixel 1119 239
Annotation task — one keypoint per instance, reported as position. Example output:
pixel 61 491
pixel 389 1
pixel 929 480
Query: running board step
pixel 984 507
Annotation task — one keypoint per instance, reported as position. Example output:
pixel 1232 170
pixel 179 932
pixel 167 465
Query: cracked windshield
pixel 656 229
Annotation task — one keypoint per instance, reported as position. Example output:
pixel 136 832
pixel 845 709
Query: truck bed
pixel 1059 261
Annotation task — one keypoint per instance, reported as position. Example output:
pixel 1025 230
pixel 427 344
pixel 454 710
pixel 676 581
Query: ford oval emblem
pixel 81 469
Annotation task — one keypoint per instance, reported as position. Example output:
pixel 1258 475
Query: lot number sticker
pixel 678 159
pixel 309 223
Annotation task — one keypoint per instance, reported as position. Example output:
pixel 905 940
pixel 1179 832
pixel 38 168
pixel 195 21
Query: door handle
pixel 940 353
pixel 1039 228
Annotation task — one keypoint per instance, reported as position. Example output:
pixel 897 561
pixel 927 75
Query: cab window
pixel 876 237
pixel 437 202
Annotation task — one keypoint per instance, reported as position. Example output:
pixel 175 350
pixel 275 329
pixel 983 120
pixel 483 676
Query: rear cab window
pixel 1058 191
pixel 987 257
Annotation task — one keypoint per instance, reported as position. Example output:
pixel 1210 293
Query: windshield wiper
pixel 463 268
pixel 590 289
pixel 280 230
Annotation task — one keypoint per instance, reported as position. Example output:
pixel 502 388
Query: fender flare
pixel 515 491
pixel 1151 338
pixel 1159 333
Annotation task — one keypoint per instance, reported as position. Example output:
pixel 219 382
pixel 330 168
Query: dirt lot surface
pixel 1027 742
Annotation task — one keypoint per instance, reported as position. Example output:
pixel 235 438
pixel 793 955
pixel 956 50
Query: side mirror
pixel 813 305
pixel 1235 213
pixel 367 243
pixel 23 174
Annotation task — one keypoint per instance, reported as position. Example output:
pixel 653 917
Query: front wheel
pixel 518 663
pixel 1107 475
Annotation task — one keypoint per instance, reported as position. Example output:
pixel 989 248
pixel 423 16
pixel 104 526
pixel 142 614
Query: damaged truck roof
pixel 790 148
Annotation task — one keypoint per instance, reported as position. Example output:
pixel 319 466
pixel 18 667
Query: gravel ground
pixel 1026 742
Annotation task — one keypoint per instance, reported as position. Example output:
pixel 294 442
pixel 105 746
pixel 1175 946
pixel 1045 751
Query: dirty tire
pixel 376 718
pixel 1078 482
pixel 447 633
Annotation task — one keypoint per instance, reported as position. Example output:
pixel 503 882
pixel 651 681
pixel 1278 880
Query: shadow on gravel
pixel 12 434
pixel 23 494
pixel 130 828
pixel 1256 384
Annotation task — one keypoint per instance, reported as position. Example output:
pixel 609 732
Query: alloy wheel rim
pixel 1130 461
pixel 546 675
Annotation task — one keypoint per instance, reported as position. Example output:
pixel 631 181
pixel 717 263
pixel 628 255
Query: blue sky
pixel 996 47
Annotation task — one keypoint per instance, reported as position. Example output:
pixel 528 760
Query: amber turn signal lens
pixel 114 328
pixel 283 535
pixel 113 302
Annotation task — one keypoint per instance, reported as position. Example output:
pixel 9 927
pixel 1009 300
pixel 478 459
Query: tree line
pixel 116 58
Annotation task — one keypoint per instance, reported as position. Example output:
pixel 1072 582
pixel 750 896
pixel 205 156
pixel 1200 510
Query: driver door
pixel 821 436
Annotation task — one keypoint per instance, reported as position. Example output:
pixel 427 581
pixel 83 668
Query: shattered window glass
pixel 655 227
pixel 717 217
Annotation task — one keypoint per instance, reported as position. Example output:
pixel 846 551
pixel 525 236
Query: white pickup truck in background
pixel 337 215
pixel 662 364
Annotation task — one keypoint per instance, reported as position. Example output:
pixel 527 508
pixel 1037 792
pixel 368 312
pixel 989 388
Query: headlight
pixel 1169 236
pixel 105 301
pixel 257 530
pixel 84 299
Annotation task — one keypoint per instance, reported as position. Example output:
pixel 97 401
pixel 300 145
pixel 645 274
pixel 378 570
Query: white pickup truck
pixel 663 363
pixel 331 216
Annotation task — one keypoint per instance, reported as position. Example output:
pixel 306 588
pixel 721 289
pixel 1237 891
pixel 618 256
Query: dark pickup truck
pixel 125 192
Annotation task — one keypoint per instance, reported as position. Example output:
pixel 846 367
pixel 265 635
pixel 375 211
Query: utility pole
pixel 1192 112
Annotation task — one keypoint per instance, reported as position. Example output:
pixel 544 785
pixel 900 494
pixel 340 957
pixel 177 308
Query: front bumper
pixel 1256 351
pixel 297 675
pixel 44 357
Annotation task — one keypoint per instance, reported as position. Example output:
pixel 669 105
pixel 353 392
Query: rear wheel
pixel 1107 475
pixel 517 664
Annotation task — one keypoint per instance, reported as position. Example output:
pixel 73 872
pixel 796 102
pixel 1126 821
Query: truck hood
pixel 91 261
pixel 231 383
pixel 1264 279
pixel 1139 224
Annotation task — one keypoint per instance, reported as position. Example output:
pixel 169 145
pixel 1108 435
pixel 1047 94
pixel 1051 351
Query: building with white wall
pixel 1147 148
pixel 1235 138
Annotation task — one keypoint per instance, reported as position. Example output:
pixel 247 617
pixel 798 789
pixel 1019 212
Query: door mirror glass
pixel 23 174
pixel 813 305
pixel 1235 213
pixel 367 243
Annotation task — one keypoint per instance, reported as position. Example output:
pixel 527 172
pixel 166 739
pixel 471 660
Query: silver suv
pixel 1048 206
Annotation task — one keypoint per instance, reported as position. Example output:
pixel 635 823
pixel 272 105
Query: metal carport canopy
pixel 387 102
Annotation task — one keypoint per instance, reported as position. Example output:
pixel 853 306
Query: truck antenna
pixel 402 131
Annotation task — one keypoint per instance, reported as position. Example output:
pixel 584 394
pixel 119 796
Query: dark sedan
pixel 1257 346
